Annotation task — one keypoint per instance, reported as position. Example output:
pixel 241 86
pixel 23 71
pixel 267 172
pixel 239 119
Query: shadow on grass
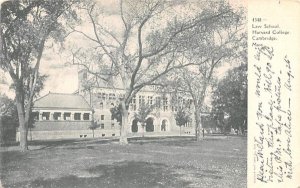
pixel 164 141
pixel 179 141
pixel 67 144
pixel 121 174
pixel 82 144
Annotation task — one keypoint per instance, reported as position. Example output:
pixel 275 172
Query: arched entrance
pixel 149 125
pixel 164 125
pixel 134 126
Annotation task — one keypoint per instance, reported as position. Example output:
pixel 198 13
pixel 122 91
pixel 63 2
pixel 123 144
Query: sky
pixel 62 77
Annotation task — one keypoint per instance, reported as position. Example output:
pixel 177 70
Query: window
pixel 57 116
pixel 188 124
pixel 133 103
pixel 102 117
pixel 103 96
pixel 86 116
pixel 112 125
pixel 67 116
pixel 121 96
pixel 101 105
pixel 150 100
pixel 141 100
pixel 112 96
pixel 77 116
pixel 113 134
pixel 46 115
pixel 165 104
pixel 103 135
pixel 35 115
pixel 102 125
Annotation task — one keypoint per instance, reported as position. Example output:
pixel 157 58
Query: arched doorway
pixel 164 125
pixel 149 125
pixel 134 126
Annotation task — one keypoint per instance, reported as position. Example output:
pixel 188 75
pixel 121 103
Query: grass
pixel 144 162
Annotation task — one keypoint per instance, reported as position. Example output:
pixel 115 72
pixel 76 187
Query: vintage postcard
pixel 149 93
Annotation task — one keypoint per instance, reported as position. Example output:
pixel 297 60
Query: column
pixel 61 116
pixel 81 116
pixel 40 116
pixel 140 127
pixel 51 116
pixel 72 116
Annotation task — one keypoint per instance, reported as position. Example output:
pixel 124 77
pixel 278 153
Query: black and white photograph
pixel 123 93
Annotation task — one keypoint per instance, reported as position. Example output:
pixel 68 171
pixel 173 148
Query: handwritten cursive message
pixel 273 86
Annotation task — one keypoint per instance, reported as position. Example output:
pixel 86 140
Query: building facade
pixel 60 116
pixel 86 113
pixel 160 122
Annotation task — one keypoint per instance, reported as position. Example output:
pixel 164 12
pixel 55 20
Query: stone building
pixel 68 116
pixel 58 115
pixel 160 121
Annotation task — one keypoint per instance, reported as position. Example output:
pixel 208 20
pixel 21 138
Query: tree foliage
pixel 143 113
pixel 230 97
pixel 116 113
pixel 221 41
pixel 7 106
pixel 149 43
pixel 182 116
pixel 8 119
pixel 94 125
pixel 26 26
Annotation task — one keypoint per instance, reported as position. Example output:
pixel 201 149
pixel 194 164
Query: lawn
pixel 144 162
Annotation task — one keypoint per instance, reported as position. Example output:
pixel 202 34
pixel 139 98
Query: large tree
pixel 26 26
pixel 145 46
pixel 224 41
pixel 230 97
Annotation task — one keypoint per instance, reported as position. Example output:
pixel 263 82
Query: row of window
pixel 109 96
pixel 101 125
pixel 159 102
pixel 102 118
pixel 150 101
pixel 61 116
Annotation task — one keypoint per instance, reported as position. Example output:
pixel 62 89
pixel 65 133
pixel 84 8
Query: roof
pixel 62 101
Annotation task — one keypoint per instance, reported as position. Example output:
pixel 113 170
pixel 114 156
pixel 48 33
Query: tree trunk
pixel 143 133
pixel 240 130
pixel 123 132
pixel 198 127
pixel 1 131
pixel 93 134
pixel 179 130
pixel 22 127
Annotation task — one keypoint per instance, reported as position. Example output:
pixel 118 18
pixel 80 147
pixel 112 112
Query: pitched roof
pixel 62 101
